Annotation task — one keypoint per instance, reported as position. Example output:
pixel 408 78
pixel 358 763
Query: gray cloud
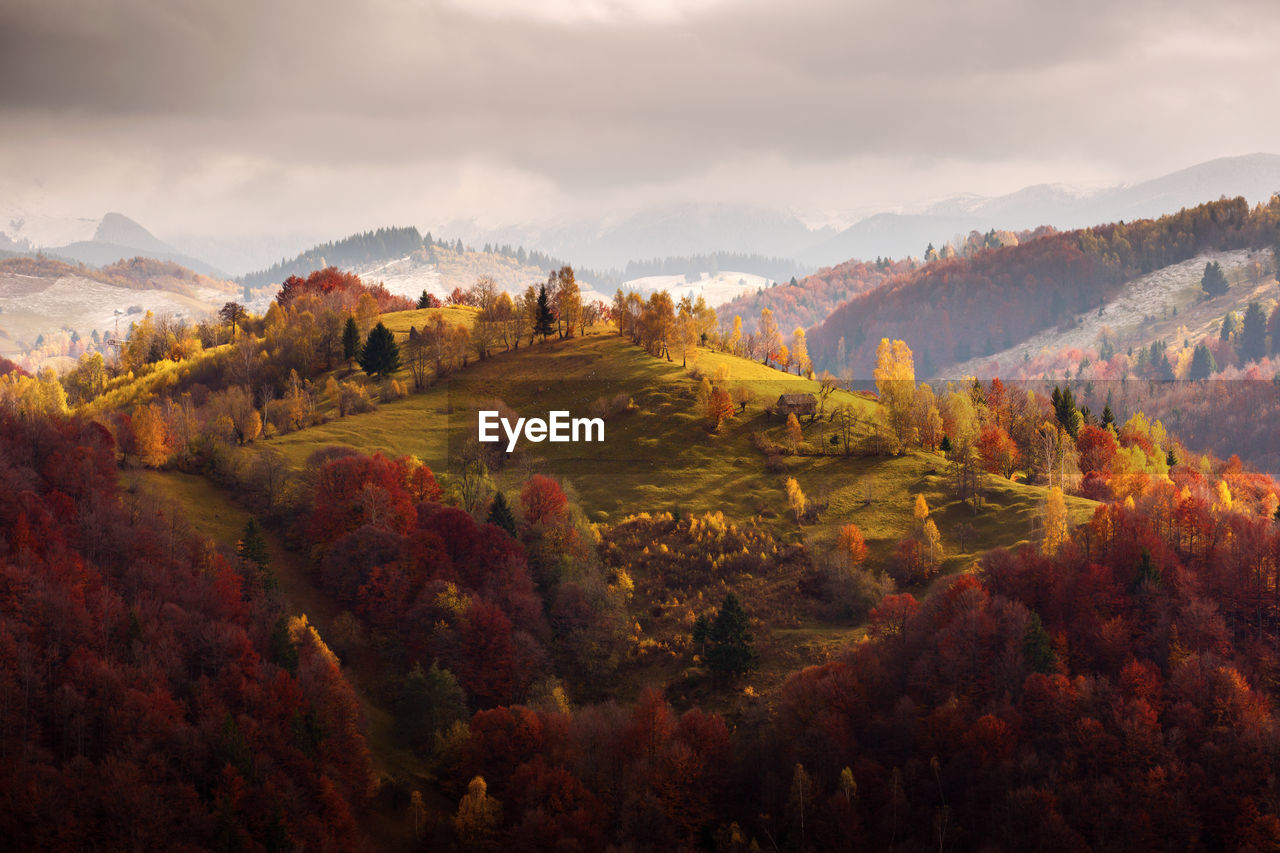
pixel 435 110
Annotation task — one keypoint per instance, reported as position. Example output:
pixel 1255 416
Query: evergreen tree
pixel 1228 326
pixel 1214 281
pixel 252 546
pixel 501 515
pixel 1108 416
pixel 1064 409
pixel 380 355
pixel 1253 334
pixel 351 340
pixel 701 633
pixel 545 322
pixel 729 649
pixel 424 301
pixel 429 702
pixel 1202 363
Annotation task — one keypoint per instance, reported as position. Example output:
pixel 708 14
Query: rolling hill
pixel 42 296
pixel 950 311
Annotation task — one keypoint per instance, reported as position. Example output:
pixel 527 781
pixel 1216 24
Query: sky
pixel 243 117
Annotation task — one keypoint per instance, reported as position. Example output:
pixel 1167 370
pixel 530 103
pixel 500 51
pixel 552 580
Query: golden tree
pixel 1055 522
pixel 478 816
pixel 800 352
pixel 851 546
pixel 769 337
pixel 795 435
pixel 796 499
pixel 895 376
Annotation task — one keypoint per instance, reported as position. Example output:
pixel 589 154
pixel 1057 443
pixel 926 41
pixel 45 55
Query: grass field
pixel 659 455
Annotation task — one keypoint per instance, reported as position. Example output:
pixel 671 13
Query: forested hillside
pixel 153 694
pixel 772 611
pixel 954 309
pixel 812 299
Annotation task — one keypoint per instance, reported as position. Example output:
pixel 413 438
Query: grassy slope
pixel 660 456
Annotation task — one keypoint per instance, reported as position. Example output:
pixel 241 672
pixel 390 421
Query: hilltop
pixel 43 297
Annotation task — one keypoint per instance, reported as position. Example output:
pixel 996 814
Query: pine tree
pixel 501 515
pixel 430 700
pixel 1108 416
pixel 424 301
pixel 252 546
pixel 1214 281
pixel 351 340
pixel 380 355
pixel 1064 409
pixel 1253 334
pixel 1202 363
pixel 729 649
pixel 544 320
pixel 1228 327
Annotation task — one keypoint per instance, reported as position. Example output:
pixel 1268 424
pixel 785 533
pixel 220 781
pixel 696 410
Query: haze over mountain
pixel 675 229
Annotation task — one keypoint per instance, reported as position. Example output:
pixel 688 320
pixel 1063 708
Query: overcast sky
pixel 325 116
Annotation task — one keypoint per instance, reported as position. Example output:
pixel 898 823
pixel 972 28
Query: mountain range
pixel 688 228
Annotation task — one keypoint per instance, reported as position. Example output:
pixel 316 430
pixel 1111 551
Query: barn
pixel 797 404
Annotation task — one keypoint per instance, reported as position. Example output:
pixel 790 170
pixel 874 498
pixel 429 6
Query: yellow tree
pixel 720 407
pixel 796 499
pixel 921 509
pixel 568 301
pixel 924 413
pixel 800 352
pixel 151 434
pixel 704 397
pixel 685 339
pixel 795 435
pixel 1055 522
pixel 851 546
pixel 770 339
pixel 895 375
pixel 735 337
pixel 478 816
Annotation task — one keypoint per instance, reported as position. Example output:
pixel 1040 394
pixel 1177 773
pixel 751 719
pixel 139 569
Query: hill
pixel 811 300
pixel 952 310
pixel 40 296
pixel 658 455
pixel 1167 305
pixel 117 238
pixel 712 580
pixel 407 263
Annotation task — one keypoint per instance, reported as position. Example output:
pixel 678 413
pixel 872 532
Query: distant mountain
pixel 117 238
pixel 665 231
pixel 671 230
pixel 888 235
pixel 1254 176
pixel 118 229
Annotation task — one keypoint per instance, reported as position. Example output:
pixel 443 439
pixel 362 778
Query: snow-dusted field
pixel 30 305
pixel 406 277
pixel 716 290
pixel 1130 315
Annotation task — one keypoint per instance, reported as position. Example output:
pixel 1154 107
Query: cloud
pixel 582 103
